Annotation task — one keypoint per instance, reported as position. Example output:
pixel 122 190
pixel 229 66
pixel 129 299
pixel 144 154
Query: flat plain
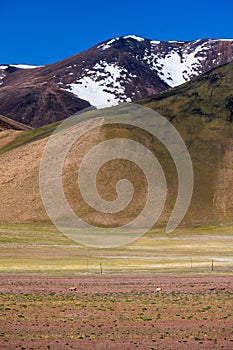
pixel 160 292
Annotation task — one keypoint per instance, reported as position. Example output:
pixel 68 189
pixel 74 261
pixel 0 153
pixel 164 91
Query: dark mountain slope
pixel 39 104
pixel 118 70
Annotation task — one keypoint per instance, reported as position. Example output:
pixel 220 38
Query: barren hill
pixel 201 111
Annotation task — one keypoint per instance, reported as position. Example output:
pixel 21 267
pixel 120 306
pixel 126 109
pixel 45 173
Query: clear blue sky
pixel 44 31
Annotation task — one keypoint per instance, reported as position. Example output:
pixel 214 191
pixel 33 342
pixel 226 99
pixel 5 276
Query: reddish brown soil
pixel 116 312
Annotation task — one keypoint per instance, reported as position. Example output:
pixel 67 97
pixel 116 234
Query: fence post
pixel 101 270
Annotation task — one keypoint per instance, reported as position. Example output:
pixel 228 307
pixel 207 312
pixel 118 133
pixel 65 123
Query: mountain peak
pixel 134 37
pixel 121 69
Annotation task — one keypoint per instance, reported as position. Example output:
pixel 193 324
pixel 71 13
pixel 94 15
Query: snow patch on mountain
pixel 102 85
pixel 24 66
pixel 155 42
pixel 175 41
pixel 107 78
pixel 107 45
pixel 224 40
pixel 1 78
pixel 2 73
pixel 135 37
pixel 21 66
pixel 176 69
pixel 89 90
pixel 178 66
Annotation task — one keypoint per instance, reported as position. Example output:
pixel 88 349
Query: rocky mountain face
pixel 122 69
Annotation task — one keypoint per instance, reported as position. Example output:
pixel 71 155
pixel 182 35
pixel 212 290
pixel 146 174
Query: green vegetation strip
pixel 41 248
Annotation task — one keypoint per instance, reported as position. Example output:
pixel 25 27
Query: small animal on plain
pixel 158 289
pixel 73 289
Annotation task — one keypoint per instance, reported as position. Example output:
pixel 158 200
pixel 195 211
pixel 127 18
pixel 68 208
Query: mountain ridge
pixel 118 70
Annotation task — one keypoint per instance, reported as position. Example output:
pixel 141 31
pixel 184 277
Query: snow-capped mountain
pixel 117 77
pixel 126 68
pixel 118 70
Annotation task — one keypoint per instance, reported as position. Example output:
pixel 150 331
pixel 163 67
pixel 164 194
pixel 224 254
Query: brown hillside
pixel 39 104
pixel 210 147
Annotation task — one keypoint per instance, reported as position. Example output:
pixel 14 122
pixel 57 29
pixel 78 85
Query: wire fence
pixel 190 265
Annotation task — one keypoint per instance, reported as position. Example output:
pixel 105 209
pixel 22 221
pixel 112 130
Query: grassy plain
pixel 41 248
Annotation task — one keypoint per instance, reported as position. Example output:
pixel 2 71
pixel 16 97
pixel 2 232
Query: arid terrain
pixel 159 292
pixel 163 291
pixel 120 312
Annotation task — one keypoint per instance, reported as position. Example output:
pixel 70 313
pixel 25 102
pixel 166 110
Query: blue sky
pixel 41 32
